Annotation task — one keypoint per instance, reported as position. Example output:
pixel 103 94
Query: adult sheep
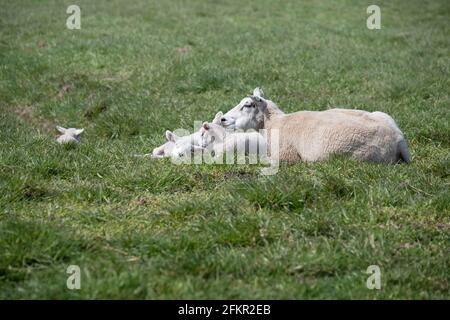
pixel 316 135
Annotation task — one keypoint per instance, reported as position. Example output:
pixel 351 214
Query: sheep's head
pixel 69 135
pixel 248 114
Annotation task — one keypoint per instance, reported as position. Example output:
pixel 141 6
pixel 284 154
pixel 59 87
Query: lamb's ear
pixel 170 136
pixel 257 92
pixel 218 117
pixel 206 126
pixel 61 129
pixel 158 151
pixel 79 131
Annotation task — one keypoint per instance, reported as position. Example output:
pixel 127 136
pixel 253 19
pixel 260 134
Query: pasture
pixel 150 229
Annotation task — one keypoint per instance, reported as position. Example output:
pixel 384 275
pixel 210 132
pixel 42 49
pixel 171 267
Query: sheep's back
pixel 314 136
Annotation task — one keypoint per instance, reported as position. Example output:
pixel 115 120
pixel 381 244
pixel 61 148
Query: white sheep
pixel 185 145
pixel 188 145
pixel 220 142
pixel 70 135
pixel 163 151
pixel 315 136
pixel 174 142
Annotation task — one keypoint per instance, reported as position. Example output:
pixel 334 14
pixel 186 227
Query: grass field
pixel 152 229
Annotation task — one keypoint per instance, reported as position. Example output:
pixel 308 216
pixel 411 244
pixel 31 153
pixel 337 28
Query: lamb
pixel 315 136
pixel 221 142
pixel 164 150
pixel 188 145
pixel 69 136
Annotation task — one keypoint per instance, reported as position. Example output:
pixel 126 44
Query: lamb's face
pixel 182 149
pixel 164 150
pixel 185 146
pixel 211 133
pixel 75 133
pixel 69 135
pixel 248 114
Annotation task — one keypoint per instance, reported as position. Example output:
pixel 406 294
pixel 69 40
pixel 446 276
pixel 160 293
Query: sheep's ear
pixel 79 131
pixel 217 118
pixel 261 103
pixel 61 129
pixel 170 136
pixel 206 126
pixel 257 92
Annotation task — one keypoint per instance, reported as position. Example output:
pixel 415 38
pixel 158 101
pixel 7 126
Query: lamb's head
pixel 211 133
pixel 248 114
pixel 184 146
pixel 164 150
pixel 70 135
pixel 217 118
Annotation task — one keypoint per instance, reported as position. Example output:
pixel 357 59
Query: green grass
pixel 152 229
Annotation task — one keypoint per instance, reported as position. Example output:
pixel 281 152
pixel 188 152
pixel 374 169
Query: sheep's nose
pixel 223 119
